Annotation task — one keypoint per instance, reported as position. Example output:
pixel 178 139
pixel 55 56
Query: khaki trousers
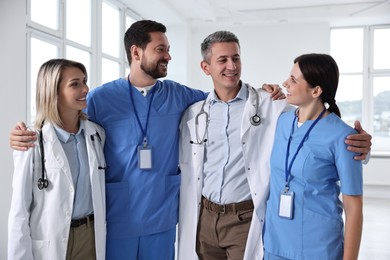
pixel 81 242
pixel 222 235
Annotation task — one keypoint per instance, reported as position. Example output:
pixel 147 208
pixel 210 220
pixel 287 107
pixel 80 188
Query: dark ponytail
pixel 321 70
pixel 333 108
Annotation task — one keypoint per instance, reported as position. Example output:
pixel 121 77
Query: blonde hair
pixel 48 83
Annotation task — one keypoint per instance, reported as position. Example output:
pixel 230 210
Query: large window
pixel 88 31
pixel 363 56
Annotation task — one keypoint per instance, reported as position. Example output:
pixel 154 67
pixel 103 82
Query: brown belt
pixel 232 207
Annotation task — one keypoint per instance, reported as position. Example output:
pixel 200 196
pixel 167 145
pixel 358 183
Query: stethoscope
pixel 43 182
pixel 255 120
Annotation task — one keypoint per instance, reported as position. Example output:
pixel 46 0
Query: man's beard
pixel 152 70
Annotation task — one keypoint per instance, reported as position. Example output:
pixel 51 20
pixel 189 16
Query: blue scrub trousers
pixel 151 247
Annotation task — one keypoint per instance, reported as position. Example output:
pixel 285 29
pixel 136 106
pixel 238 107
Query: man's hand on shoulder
pixel 359 143
pixel 20 138
pixel 275 90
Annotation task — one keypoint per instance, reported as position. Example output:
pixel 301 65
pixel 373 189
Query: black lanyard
pixel 289 166
pixel 144 130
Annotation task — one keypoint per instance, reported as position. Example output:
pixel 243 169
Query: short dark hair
pixel 321 70
pixel 218 36
pixel 139 34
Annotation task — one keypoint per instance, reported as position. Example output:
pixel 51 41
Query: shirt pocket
pixel 123 132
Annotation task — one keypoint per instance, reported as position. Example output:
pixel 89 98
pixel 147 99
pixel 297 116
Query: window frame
pixel 58 38
pixel 368 74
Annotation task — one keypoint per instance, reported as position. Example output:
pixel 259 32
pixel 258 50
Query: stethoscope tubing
pixel 43 181
pixel 255 120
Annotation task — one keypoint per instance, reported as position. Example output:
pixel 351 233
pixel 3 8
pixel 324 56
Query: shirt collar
pixel 241 95
pixel 64 136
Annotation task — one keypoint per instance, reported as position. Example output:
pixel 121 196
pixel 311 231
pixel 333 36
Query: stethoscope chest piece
pixel 255 120
pixel 43 183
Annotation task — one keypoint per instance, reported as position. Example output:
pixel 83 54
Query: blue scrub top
pixel 321 169
pixel 141 202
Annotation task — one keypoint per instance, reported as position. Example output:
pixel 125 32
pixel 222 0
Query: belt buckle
pixel 223 209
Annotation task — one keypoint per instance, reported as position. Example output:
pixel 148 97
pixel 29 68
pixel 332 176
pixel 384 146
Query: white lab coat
pixel 257 142
pixel 39 220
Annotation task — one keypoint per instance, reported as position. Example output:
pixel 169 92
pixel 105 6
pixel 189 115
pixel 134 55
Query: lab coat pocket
pixel 117 201
pixel 40 249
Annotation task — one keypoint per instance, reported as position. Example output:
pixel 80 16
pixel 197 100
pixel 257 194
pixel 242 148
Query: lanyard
pixel 144 130
pixel 289 166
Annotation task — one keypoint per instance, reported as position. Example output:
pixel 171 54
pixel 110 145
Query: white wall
pixel 267 51
pixel 178 37
pixel 376 178
pixel 267 55
pixel 12 98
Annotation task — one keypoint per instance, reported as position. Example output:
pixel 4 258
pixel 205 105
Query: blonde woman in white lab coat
pixel 59 213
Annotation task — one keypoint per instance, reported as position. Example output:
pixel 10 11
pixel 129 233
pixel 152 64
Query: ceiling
pixel 240 12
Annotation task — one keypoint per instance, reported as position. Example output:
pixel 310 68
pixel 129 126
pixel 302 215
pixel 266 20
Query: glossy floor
pixel 375 244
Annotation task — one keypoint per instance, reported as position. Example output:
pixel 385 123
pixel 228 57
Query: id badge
pixel 286 204
pixel 144 157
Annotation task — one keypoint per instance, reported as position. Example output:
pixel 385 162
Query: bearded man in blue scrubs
pixel 140 115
